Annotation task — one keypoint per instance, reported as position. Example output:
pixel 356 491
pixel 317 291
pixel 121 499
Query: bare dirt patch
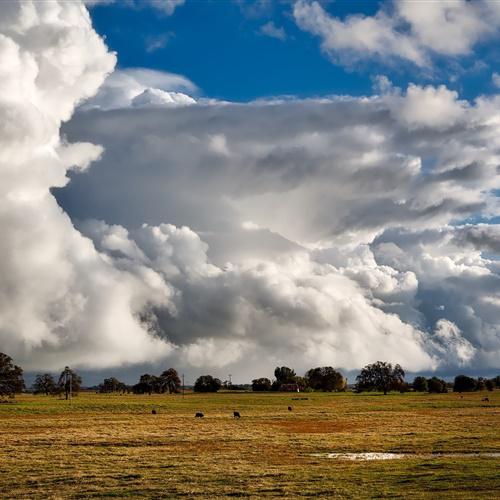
pixel 316 427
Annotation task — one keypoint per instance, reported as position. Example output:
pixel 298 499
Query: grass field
pixel 100 446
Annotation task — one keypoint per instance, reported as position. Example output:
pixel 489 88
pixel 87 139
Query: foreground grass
pixel 100 446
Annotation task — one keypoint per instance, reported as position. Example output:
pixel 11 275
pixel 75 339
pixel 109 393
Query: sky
pixel 228 186
pixel 208 40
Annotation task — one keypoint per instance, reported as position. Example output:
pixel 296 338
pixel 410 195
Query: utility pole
pixel 68 379
pixel 230 382
pixel 183 385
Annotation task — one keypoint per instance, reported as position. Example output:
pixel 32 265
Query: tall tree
pixel 380 376
pixel 284 375
pixel 436 385
pixel 480 384
pixel 112 384
pixel 147 384
pixel 44 384
pixel 325 378
pixel 463 383
pixel 207 383
pixel 69 382
pixel 170 381
pixel 11 377
pixel 420 384
pixel 261 384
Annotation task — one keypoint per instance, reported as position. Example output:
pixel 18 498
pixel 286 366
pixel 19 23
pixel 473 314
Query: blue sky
pixel 219 45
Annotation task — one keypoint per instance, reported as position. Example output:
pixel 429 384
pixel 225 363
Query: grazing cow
pixel 236 414
pixel 199 414
pixel 153 412
pixel 290 408
pixel 486 399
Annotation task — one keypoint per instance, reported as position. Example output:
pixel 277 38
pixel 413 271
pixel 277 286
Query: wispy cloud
pixel 158 42
pixel 273 31
pixel 166 7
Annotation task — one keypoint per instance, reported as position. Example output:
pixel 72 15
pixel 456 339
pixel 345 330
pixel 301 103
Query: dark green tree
pixel 11 377
pixel 170 381
pixel 44 384
pixel 301 382
pixel 325 378
pixel 420 384
pixel 480 384
pixel 147 385
pixel 490 384
pixel 112 384
pixel 284 375
pixel 463 383
pixel 69 383
pixel 436 385
pixel 380 376
pixel 405 387
pixel 261 384
pixel 207 383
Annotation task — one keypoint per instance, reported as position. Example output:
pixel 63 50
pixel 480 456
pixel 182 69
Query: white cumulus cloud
pixel 405 29
pixel 322 227
pixel 141 86
pixel 61 302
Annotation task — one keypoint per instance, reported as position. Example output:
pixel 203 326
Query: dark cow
pixel 236 414
pixel 487 400
pixel 290 408
pixel 153 412
pixel 199 414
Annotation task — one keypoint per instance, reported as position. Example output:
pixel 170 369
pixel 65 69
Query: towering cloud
pixel 321 231
pixel 60 300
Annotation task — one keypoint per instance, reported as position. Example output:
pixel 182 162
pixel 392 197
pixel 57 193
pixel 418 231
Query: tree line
pixel 379 376
pixel 324 378
pixel 12 381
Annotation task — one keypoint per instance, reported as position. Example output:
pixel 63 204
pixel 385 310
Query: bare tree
pixel 69 382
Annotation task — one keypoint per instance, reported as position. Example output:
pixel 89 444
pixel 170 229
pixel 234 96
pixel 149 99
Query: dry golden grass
pixel 100 446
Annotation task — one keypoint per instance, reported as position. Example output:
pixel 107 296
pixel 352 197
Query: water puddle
pixel 362 456
pixel 367 456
